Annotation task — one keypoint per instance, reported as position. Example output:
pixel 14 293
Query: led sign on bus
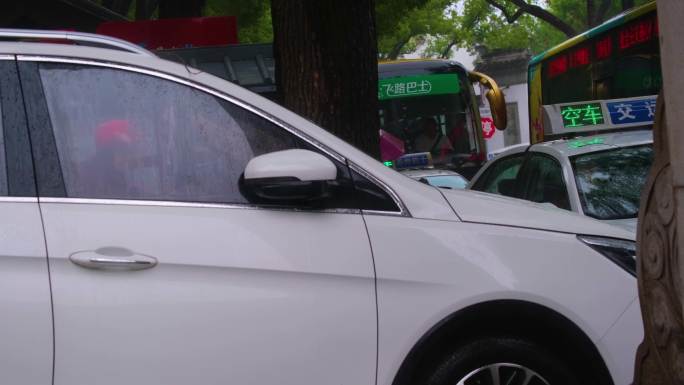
pixel 631 35
pixel 406 86
pixel 582 115
pixel 638 33
pixel 604 48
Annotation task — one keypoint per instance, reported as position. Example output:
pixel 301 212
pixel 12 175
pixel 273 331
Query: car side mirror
pixel 288 178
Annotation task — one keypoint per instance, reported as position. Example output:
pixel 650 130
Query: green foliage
pixel 489 27
pixel 436 26
pixel 401 26
pixel 253 16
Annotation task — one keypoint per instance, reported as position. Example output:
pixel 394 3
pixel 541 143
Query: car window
pixel 3 161
pixel 543 181
pixel 369 196
pixel 500 177
pixel 609 182
pixel 4 78
pixel 456 182
pixel 126 135
pixel 16 165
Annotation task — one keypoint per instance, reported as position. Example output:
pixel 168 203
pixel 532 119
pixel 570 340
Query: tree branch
pixel 447 51
pixel 536 11
pixel 509 18
pixel 396 49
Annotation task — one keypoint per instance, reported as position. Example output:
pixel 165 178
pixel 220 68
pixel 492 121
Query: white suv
pixel 164 226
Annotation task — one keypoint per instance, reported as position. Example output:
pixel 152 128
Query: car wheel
pixel 500 361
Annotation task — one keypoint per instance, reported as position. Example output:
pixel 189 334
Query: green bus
pixel 429 107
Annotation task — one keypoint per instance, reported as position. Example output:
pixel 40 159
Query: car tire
pixel 513 360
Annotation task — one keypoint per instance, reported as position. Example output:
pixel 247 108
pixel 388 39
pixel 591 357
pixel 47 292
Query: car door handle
pixel 112 258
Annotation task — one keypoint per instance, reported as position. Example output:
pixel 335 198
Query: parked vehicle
pixel 162 226
pixel 493 154
pixel 598 176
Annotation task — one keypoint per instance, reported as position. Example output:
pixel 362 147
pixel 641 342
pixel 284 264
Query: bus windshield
pixel 428 113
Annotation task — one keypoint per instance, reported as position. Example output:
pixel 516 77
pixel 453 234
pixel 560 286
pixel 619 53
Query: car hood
pixel 475 206
pixel 627 224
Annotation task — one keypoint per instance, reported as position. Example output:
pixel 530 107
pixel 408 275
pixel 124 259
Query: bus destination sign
pixel 407 86
pixel 581 115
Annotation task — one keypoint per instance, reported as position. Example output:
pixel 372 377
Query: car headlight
pixel 620 251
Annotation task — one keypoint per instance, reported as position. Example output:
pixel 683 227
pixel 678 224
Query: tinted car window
pixel 500 177
pixel 544 181
pixel 456 182
pixel 16 164
pixel 370 196
pixel 125 135
pixel 3 162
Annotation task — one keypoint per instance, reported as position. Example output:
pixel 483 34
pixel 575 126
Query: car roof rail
pixel 82 38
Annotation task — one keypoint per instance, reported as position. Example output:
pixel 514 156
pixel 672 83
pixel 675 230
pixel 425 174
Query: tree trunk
pixel 447 51
pixel 180 8
pixel 326 65
pixel 396 49
pixel 660 358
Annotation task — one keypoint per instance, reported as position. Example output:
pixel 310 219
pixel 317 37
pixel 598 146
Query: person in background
pixel 106 170
pixel 432 140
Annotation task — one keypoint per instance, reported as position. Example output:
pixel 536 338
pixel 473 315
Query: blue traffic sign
pixel 632 111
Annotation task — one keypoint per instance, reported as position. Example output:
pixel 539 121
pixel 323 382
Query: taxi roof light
pixel 414 160
pixel 598 115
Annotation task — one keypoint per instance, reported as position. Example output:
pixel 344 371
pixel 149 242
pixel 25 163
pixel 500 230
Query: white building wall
pixel 514 94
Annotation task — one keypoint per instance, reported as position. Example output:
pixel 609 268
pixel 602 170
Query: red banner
pixel 174 33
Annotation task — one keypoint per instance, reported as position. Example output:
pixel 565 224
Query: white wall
pixel 516 93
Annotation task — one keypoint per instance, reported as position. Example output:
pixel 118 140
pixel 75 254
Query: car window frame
pixel 486 176
pixel 44 133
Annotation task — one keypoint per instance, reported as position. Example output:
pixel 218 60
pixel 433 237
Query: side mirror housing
pixel 287 178
pixel 497 102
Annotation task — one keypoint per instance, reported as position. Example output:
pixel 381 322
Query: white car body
pixel 493 154
pixel 562 152
pixel 249 295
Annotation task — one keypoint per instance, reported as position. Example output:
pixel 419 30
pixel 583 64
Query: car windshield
pixel 609 182
pixel 447 181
